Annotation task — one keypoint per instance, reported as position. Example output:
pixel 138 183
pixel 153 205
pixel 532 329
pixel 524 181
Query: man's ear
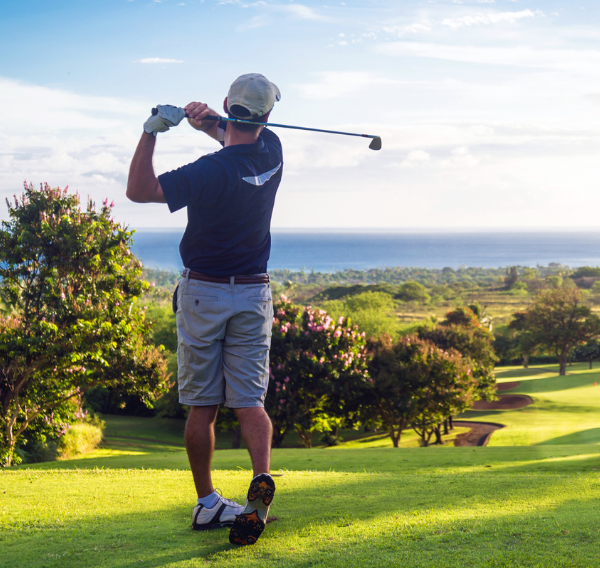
pixel 225 105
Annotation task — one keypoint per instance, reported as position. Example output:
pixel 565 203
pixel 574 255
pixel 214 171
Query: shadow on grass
pixel 337 520
pixel 589 436
pixel 437 460
pixel 556 383
pixel 519 373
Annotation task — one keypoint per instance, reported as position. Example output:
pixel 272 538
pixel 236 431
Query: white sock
pixel 209 501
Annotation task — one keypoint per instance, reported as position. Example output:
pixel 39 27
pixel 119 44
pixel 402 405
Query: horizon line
pixel 473 229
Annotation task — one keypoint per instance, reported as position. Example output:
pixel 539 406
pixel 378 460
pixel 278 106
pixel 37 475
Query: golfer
pixel 223 301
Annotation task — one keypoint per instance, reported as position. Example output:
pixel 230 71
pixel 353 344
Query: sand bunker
pixel 505 402
pixel 507 386
pixel 479 434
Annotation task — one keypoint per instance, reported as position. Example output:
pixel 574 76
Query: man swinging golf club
pixel 223 301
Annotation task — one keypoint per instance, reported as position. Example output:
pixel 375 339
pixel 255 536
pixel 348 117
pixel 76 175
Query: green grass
pixel 566 409
pixel 532 502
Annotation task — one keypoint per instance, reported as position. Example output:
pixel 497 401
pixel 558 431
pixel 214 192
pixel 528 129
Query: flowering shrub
pixel 70 283
pixel 318 368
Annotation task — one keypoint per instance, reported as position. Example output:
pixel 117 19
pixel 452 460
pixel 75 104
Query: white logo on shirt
pixel 262 178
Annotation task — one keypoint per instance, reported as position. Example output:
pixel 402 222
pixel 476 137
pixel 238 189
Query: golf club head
pixel 375 143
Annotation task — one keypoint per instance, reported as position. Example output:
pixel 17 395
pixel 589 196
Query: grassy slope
pixel 566 409
pixel 346 506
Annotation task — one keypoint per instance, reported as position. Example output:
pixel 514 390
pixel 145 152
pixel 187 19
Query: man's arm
pixel 196 112
pixel 142 183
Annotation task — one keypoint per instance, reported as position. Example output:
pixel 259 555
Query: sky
pixel 489 110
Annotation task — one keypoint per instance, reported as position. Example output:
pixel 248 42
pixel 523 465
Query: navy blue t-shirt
pixel 229 197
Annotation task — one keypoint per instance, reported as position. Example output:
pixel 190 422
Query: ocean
pixel 326 251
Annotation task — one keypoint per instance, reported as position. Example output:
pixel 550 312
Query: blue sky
pixel 488 110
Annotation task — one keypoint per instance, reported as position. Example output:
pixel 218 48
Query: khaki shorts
pixel 224 336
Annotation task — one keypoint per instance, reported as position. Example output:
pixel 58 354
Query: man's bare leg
pixel 200 444
pixel 257 432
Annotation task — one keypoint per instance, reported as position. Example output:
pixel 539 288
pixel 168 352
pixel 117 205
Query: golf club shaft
pixel 240 121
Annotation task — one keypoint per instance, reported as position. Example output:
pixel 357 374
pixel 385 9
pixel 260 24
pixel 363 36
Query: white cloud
pixel 301 12
pixel 85 142
pixel 593 98
pixel 415 28
pixel 159 60
pixel 415 158
pixel 460 158
pixel 488 18
pixel 571 60
pixel 270 12
pixel 334 84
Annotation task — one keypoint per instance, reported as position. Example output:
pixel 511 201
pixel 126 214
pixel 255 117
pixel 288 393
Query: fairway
pixel 530 498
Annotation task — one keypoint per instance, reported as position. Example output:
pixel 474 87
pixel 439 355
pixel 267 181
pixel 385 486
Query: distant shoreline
pixel 335 251
pixel 405 230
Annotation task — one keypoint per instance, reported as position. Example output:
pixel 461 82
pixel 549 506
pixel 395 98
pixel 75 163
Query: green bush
pixel 81 437
pixel 36 451
pixel 413 292
pixel 373 312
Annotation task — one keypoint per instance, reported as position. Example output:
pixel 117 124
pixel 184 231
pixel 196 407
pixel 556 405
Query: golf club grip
pixel 155 112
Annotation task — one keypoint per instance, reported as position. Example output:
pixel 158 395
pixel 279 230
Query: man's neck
pixel 234 137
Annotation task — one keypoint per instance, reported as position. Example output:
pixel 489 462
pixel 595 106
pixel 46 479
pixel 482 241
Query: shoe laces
pixel 225 500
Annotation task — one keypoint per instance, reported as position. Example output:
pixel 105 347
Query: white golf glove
pixel 168 115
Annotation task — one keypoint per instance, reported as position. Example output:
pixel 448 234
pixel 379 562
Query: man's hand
pixel 168 115
pixel 196 112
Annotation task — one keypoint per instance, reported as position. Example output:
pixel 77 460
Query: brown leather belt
pixel 262 279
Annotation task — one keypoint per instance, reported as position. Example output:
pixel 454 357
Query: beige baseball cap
pixel 255 93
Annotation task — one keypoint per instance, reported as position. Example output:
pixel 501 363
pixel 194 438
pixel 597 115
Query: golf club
pixel 374 145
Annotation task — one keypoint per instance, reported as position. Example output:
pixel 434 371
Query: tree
pixel 414 382
pixel 589 352
pixel 463 332
pixel 413 292
pixel 71 284
pixel 511 278
pixel 554 282
pixel 525 343
pixel 586 271
pixel 558 320
pixel 318 367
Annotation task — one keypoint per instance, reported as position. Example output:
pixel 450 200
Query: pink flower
pixel 337 333
pixel 286 380
pixel 62 296
pixel 112 203
pixel 281 400
pixel 341 320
